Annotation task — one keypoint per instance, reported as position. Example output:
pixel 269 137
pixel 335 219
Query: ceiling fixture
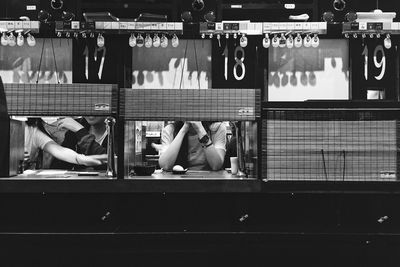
pixel 186 16
pixel 175 41
pixel 30 39
pixel 156 40
pixel 339 5
pixel 44 16
pixel 4 39
pixel 56 4
pixel 210 16
pixel 100 40
pixel 132 40
pixel 20 39
pixel 198 5
pixel 12 40
pixel 164 41
pixel 67 16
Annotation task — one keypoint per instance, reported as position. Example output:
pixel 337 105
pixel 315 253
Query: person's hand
pixel 69 124
pixel 157 147
pixel 199 128
pixel 87 160
pixel 185 127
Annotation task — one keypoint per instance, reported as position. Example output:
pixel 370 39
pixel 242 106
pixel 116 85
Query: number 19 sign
pixel 373 69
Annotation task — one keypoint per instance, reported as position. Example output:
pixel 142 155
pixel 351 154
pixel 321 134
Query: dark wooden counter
pixel 70 182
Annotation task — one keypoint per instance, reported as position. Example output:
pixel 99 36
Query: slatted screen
pixel 61 99
pixel 190 104
pixel 330 145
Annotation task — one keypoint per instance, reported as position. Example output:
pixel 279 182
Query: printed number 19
pixel 378 64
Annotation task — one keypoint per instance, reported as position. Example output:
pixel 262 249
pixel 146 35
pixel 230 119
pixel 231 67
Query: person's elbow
pixel 164 164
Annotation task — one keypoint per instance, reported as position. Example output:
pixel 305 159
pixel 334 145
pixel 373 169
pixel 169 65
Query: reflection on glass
pixel 309 73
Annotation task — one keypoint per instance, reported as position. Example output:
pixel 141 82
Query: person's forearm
pixel 168 157
pixel 61 153
pixel 215 157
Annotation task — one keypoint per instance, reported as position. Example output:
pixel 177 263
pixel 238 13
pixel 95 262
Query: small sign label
pixel 387 174
pixel 31 7
pixel 290 6
pixel 102 107
pixel 246 111
pixel 236 6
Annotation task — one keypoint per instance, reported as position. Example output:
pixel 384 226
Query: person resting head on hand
pixel 193 144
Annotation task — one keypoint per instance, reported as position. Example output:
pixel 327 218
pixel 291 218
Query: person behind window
pixel 87 136
pixel 195 145
pixel 37 141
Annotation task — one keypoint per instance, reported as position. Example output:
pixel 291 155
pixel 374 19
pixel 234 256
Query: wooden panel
pixel 329 149
pixel 61 99
pixel 190 104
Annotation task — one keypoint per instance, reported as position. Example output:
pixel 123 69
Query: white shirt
pixel 34 140
pixel 196 155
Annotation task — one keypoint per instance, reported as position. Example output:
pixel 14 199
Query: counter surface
pixel 60 181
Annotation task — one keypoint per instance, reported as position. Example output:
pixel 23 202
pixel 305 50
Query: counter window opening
pixel 188 155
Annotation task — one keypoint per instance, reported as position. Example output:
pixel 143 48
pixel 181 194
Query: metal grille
pixel 330 145
pixel 61 99
pixel 190 104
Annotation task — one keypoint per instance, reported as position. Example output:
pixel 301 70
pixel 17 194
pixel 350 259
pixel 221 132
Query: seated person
pixel 195 145
pixel 36 141
pixel 87 136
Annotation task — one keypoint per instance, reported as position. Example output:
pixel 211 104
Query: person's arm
pixel 215 148
pixel 171 149
pixel 68 155
pixel 86 142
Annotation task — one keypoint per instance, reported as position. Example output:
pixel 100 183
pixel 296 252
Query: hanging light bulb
pixel 282 41
pixel 266 41
pixel 371 35
pixel 20 39
pixel 387 42
pixel 100 40
pixel 59 34
pixel 4 39
pixel 203 35
pixel 210 36
pixel 378 35
pixel 298 41
pixel 92 35
pixel 363 35
pixel 12 40
pixel 289 41
pixel 355 35
pixel 132 40
pixel 307 41
pixel 275 41
pixel 164 41
pixel 175 41
pixel 30 40
pixel 67 34
pixel 315 41
pixel 156 40
pixel 235 35
pixel 84 35
pixel 227 36
pixel 346 35
pixel 75 35
pixel 243 40
pixel 148 42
